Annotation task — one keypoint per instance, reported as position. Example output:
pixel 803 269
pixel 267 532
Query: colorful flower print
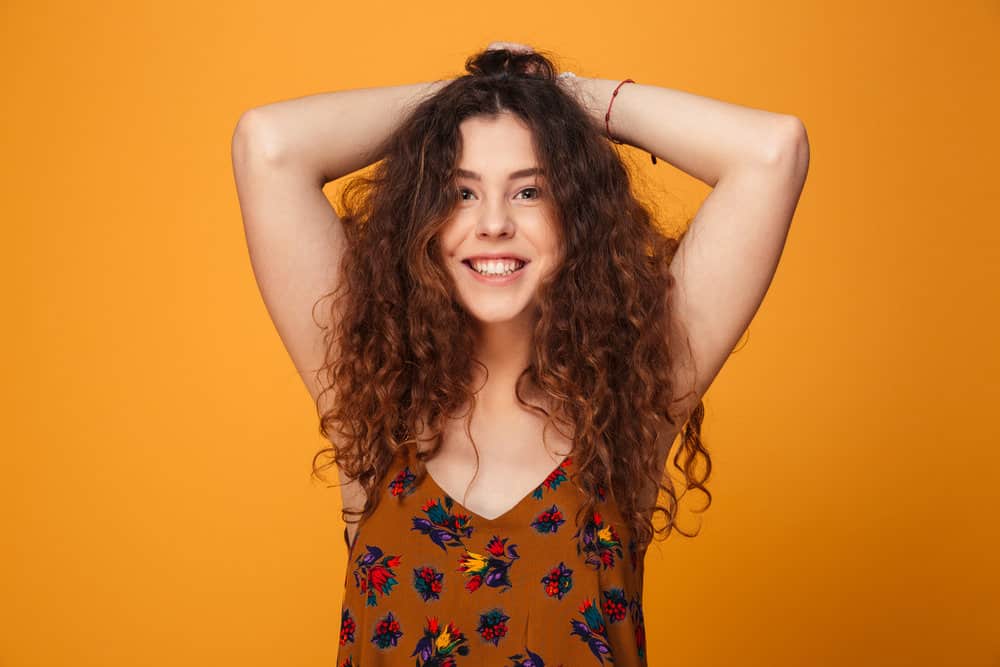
pixel 456 569
pixel 600 543
pixel 374 574
pixel 428 582
pixel 529 660
pixel 402 483
pixel 558 581
pixel 387 632
pixel 635 607
pixel 555 478
pixel 439 645
pixel 549 520
pixel 615 605
pixel 490 569
pixel 493 626
pixel 593 631
pixel 444 527
pixel 347 627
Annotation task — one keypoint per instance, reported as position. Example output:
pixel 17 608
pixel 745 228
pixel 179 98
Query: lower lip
pixel 496 280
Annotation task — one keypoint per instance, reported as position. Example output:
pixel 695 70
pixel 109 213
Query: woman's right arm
pixel 283 154
pixel 332 134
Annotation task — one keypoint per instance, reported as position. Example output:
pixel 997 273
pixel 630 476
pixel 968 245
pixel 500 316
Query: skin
pixel 755 161
pixel 500 214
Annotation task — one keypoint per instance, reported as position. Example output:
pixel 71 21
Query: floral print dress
pixel 430 583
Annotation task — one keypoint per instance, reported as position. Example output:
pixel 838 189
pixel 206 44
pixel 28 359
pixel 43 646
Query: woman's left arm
pixel 756 161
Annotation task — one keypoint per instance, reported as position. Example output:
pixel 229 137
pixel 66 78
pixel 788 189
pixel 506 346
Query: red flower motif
pixel 379 575
pixel 495 546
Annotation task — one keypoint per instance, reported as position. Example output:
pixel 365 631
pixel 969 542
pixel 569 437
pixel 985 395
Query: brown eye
pixel 532 189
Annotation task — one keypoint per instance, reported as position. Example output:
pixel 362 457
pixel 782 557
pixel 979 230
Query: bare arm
pixel 701 136
pixel 332 134
pixel 756 161
pixel 283 154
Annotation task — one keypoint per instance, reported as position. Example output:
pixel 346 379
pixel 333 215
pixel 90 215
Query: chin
pixel 496 315
pixel 493 304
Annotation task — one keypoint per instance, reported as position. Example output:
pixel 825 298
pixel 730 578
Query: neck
pixel 505 350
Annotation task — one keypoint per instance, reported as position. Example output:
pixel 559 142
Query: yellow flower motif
pixel 443 639
pixel 605 533
pixel 473 561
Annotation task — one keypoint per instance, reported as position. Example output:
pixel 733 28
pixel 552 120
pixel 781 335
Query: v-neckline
pixel 501 518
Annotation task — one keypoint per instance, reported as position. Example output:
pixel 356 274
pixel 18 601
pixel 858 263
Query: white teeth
pixel 496 267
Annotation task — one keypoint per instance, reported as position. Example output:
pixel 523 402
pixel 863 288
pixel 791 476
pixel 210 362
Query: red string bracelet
pixel 607 116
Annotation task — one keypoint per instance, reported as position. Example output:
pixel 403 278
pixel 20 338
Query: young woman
pixel 510 328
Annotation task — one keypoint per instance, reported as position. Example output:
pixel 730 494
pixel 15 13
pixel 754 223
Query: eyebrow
pixel 520 173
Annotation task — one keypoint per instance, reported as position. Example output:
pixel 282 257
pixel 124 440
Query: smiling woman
pixel 501 303
pixel 506 214
pixel 544 268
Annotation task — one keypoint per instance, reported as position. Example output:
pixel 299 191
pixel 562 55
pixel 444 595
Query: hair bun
pixel 504 63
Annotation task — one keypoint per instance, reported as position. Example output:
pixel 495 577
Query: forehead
pixel 496 144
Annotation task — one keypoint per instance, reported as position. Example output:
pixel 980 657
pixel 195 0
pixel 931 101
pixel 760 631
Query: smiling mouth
pixel 518 266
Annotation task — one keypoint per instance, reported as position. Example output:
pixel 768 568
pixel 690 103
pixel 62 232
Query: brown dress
pixel 430 583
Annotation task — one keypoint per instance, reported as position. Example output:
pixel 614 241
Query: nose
pixel 495 221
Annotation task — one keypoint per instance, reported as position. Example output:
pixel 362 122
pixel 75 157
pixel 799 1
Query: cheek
pixel 448 237
pixel 554 244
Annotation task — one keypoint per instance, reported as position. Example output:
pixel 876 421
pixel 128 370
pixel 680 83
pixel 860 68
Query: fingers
pixel 510 46
pixel 516 48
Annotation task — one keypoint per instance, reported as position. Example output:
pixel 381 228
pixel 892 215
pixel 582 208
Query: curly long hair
pixel 400 349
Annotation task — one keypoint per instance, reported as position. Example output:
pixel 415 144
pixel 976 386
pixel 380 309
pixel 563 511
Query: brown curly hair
pixel 400 352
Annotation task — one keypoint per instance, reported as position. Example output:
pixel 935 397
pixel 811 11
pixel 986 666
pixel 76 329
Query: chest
pixel 513 460
pixel 498 462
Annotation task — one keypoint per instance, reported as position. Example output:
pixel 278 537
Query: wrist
pixel 591 96
pixel 599 98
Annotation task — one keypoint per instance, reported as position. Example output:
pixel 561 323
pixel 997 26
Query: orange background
pixel 157 506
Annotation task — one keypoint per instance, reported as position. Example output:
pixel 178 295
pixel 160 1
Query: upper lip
pixel 495 255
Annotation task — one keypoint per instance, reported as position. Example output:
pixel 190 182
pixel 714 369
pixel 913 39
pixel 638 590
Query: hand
pixel 510 46
pixel 570 84
pixel 515 47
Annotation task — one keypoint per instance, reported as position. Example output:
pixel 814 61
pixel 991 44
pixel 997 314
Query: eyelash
pixel 537 190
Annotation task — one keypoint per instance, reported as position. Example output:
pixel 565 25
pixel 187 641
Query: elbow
pixel 790 145
pixel 251 137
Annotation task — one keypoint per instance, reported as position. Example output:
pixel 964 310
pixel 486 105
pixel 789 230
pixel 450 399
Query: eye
pixel 462 191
